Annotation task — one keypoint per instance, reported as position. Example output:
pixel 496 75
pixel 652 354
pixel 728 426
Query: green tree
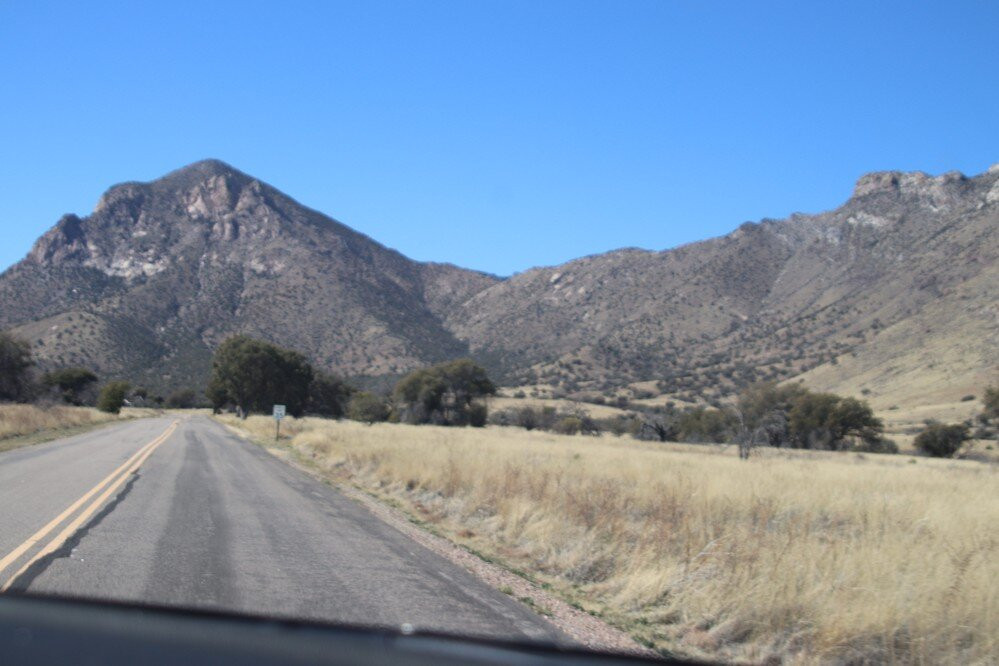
pixel 182 399
pixel 70 382
pixel 443 393
pixel 828 421
pixel 254 375
pixel 215 392
pixel 940 440
pixel 328 395
pixel 15 369
pixel 705 425
pixel 112 397
pixel 367 407
pixel 791 415
pixel 759 400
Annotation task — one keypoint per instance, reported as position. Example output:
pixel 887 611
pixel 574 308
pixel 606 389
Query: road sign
pixel 278 415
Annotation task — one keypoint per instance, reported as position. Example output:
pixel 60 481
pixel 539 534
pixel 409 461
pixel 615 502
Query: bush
pixel 367 408
pixel 530 418
pixel 879 445
pixel 991 402
pixel 940 440
pixel 328 395
pixel 112 397
pixel 182 399
pixel 70 382
pixel 478 414
pixel 568 425
pixel 15 366
pixel 527 418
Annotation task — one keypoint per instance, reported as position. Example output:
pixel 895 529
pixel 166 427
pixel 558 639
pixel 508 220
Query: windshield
pixel 446 318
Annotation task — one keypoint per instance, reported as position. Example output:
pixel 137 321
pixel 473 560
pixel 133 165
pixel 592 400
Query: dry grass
pixel 22 420
pixel 796 558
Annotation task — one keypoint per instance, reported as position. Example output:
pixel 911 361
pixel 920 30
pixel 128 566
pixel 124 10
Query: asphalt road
pixel 201 518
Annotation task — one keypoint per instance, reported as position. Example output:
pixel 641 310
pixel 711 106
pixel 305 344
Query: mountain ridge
pixel 176 264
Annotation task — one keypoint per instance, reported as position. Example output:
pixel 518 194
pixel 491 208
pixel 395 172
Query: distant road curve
pixel 182 512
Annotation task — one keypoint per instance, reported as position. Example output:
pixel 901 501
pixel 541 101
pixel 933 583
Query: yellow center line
pixel 120 474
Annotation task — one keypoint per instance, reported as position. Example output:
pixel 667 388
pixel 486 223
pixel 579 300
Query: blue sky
pixel 495 135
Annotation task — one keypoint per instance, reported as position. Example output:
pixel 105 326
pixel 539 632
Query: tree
pixel 112 397
pixel 328 395
pixel 15 367
pixel 443 393
pixel 70 382
pixel 768 429
pixel 758 403
pixel 215 392
pixel 659 429
pixel 791 415
pixel 704 425
pixel 367 407
pixel 940 440
pixel 254 375
pixel 182 399
pixel 827 421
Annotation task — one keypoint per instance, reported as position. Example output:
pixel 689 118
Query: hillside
pixel 892 295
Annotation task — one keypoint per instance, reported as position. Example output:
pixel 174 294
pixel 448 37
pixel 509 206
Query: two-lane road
pixel 182 512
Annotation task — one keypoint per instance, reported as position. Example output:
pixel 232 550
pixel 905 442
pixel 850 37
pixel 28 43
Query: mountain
pixel 160 273
pixel 892 295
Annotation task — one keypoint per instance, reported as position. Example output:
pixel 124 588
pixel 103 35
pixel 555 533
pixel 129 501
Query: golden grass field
pixel 21 420
pixel 790 557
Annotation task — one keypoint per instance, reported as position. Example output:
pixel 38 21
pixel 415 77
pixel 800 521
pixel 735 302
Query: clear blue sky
pixel 495 135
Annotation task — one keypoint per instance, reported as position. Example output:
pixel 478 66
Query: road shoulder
pixel 582 627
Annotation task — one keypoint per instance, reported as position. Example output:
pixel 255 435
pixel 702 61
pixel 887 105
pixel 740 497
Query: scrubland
pixel 18 420
pixel 790 557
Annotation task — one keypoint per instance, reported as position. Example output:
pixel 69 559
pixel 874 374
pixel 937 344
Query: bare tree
pixel 772 430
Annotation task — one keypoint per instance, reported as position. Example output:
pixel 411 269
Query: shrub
pixel 112 397
pixel 940 440
pixel 182 399
pixel 527 418
pixel 991 402
pixel 70 382
pixel 478 415
pixel 568 425
pixel 879 445
pixel 15 366
pixel 328 395
pixel 367 408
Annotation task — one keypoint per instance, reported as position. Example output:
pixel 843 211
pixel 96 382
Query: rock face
pixel 161 272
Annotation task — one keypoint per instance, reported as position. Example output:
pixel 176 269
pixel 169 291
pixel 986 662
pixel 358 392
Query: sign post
pixel 278 415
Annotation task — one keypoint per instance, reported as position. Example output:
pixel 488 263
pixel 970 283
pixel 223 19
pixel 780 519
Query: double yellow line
pixel 108 484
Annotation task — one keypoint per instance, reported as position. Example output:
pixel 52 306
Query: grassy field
pixel 21 424
pixel 792 557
